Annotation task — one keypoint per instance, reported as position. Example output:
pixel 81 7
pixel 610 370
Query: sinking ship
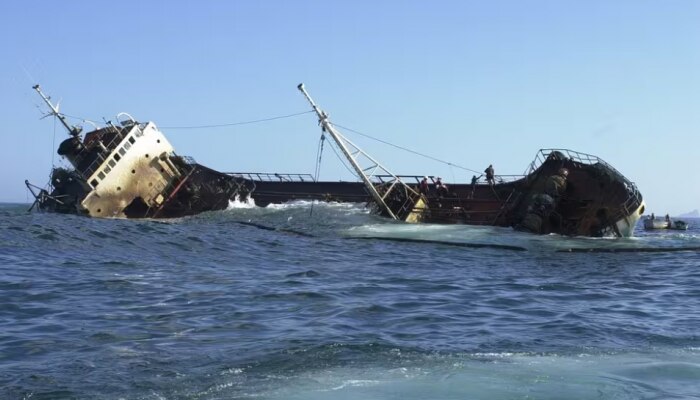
pixel 562 192
pixel 130 170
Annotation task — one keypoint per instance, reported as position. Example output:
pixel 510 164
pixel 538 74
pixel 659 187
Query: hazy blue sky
pixel 471 82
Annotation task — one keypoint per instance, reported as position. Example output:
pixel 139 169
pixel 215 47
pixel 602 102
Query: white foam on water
pixel 320 204
pixel 355 220
pixel 506 376
pixel 501 236
pixel 236 203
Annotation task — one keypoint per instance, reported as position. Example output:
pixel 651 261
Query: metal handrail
pixel 272 176
pixel 577 156
pixel 97 163
pixel 432 178
pixel 633 198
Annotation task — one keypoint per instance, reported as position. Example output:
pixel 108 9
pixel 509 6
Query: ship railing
pixel 583 158
pixel 507 178
pixel 110 146
pixel 634 198
pixel 119 136
pixel 630 205
pixel 272 176
pixel 188 160
pixel 94 166
pixel 410 179
pixel 167 187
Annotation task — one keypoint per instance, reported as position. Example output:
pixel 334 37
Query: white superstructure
pixel 139 166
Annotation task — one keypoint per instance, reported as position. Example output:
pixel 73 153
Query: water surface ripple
pixel 329 302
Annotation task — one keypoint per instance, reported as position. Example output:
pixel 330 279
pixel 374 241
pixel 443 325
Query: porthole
pixel 99 210
pixel 133 171
pixel 158 140
pixel 146 155
pixel 119 188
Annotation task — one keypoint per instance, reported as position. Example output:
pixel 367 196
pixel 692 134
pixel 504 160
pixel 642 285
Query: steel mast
pixel 72 130
pixel 342 142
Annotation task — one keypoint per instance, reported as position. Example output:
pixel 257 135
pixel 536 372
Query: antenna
pixel 72 130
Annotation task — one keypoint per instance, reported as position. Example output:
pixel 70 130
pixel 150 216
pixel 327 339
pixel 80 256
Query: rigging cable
pixel 406 149
pixel 255 121
pixel 319 154
pixel 318 157
pixel 343 161
pixel 239 123
pixel 53 143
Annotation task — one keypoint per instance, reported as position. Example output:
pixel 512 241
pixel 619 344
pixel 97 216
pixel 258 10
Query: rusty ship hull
pixel 130 170
pixel 597 200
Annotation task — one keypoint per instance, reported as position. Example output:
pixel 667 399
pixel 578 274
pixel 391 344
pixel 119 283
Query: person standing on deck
pixel 441 188
pixel 475 179
pixel 490 174
pixel 423 186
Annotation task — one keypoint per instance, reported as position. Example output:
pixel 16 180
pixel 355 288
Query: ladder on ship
pixel 393 198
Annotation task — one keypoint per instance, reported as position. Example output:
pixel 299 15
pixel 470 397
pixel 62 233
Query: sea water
pixel 327 301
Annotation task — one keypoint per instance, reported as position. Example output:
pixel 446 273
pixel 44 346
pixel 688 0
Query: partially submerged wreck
pixel 563 192
pixel 130 170
pixel 596 200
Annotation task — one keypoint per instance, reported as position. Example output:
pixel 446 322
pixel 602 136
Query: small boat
pixel 654 224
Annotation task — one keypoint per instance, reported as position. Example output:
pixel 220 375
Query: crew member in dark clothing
pixel 490 174
pixel 475 179
pixel 423 186
pixel 441 188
